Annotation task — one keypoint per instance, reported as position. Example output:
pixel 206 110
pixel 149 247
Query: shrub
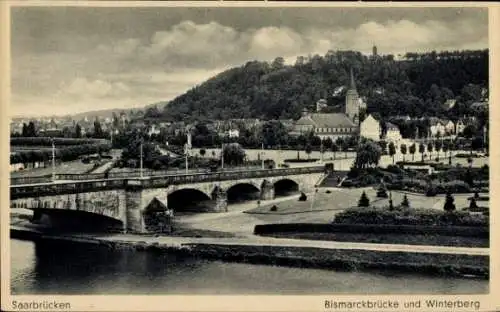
pixel 382 191
pixel 449 206
pixel 405 203
pixel 274 208
pixel 363 201
pixel 303 197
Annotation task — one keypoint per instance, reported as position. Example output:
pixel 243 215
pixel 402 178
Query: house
pixel 153 129
pixel 436 127
pixel 370 128
pixel 233 133
pixel 450 103
pixel 449 127
pixel 393 134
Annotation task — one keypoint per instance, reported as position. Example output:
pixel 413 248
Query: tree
pixel 345 147
pixel 274 133
pixel 421 150
pixel 31 130
pixel 363 200
pixel 405 203
pixel 278 63
pixel 335 149
pixel 392 151
pixel 234 154
pixel 403 150
pixel 368 154
pixel 413 149
pixel 469 161
pixel 308 150
pixel 449 206
pixel 445 147
pixel 473 205
pixel 202 152
pixel 382 191
pixel 430 146
pixel 383 146
pixel 438 144
pixel 24 132
pixel 78 131
pixel 98 133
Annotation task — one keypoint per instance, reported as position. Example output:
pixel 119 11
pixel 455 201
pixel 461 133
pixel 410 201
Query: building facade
pixel 370 128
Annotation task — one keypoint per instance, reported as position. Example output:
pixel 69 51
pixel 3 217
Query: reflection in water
pixel 67 268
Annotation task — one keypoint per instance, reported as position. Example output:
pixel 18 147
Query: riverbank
pixel 427 260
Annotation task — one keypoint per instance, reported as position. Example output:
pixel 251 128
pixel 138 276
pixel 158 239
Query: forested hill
pixel 418 85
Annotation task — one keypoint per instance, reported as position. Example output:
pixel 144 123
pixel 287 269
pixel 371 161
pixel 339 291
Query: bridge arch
pixel 285 187
pixel 76 220
pixel 242 191
pixel 189 200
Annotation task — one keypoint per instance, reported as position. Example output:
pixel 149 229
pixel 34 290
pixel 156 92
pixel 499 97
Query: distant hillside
pixel 418 85
pixel 109 112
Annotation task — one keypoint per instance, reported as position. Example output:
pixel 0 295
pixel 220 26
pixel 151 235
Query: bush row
pixel 66 153
pixel 467 231
pixel 295 160
pixel 428 217
pixel 46 141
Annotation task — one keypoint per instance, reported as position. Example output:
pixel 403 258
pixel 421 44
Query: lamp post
pixel 186 153
pixel 141 160
pixel 222 156
pixel 262 156
pixel 53 161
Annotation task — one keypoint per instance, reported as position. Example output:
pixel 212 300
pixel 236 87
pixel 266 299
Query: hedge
pixel 428 217
pixel 467 231
pixel 295 160
pixel 47 141
pixel 66 153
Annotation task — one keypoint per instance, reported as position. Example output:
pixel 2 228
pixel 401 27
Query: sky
pixel 67 60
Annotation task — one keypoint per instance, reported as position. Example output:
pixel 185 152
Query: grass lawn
pixel 338 199
pixel 438 240
pixel 69 167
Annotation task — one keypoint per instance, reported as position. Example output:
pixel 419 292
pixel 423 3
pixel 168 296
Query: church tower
pixel 352 101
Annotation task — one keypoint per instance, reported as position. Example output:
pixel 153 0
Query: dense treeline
pixel 417 86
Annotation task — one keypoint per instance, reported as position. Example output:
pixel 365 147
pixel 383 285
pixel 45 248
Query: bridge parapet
pixel 58 188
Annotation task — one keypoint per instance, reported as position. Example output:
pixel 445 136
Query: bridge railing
pixel 54 188
pixel 116 175
pixel 224 176
pixel 35 190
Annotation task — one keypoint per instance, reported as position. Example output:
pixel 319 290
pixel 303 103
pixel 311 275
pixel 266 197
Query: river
pixel 77 269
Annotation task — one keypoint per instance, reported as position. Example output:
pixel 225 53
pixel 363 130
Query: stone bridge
pixel 142 205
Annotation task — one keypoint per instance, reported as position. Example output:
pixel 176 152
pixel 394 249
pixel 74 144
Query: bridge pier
pixel 220 198
pixel 267 191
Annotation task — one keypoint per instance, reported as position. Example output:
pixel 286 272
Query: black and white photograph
pixel 249 150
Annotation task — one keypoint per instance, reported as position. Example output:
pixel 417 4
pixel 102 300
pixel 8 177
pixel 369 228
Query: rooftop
pixel 324 120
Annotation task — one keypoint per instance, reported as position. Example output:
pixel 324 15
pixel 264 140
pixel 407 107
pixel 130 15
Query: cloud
pixel 141 70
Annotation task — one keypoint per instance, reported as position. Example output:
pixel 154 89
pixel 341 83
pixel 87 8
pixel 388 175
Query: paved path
pixel 284 242
pixel 102 168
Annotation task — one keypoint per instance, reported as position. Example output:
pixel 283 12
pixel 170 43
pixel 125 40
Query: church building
pixel 333 125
